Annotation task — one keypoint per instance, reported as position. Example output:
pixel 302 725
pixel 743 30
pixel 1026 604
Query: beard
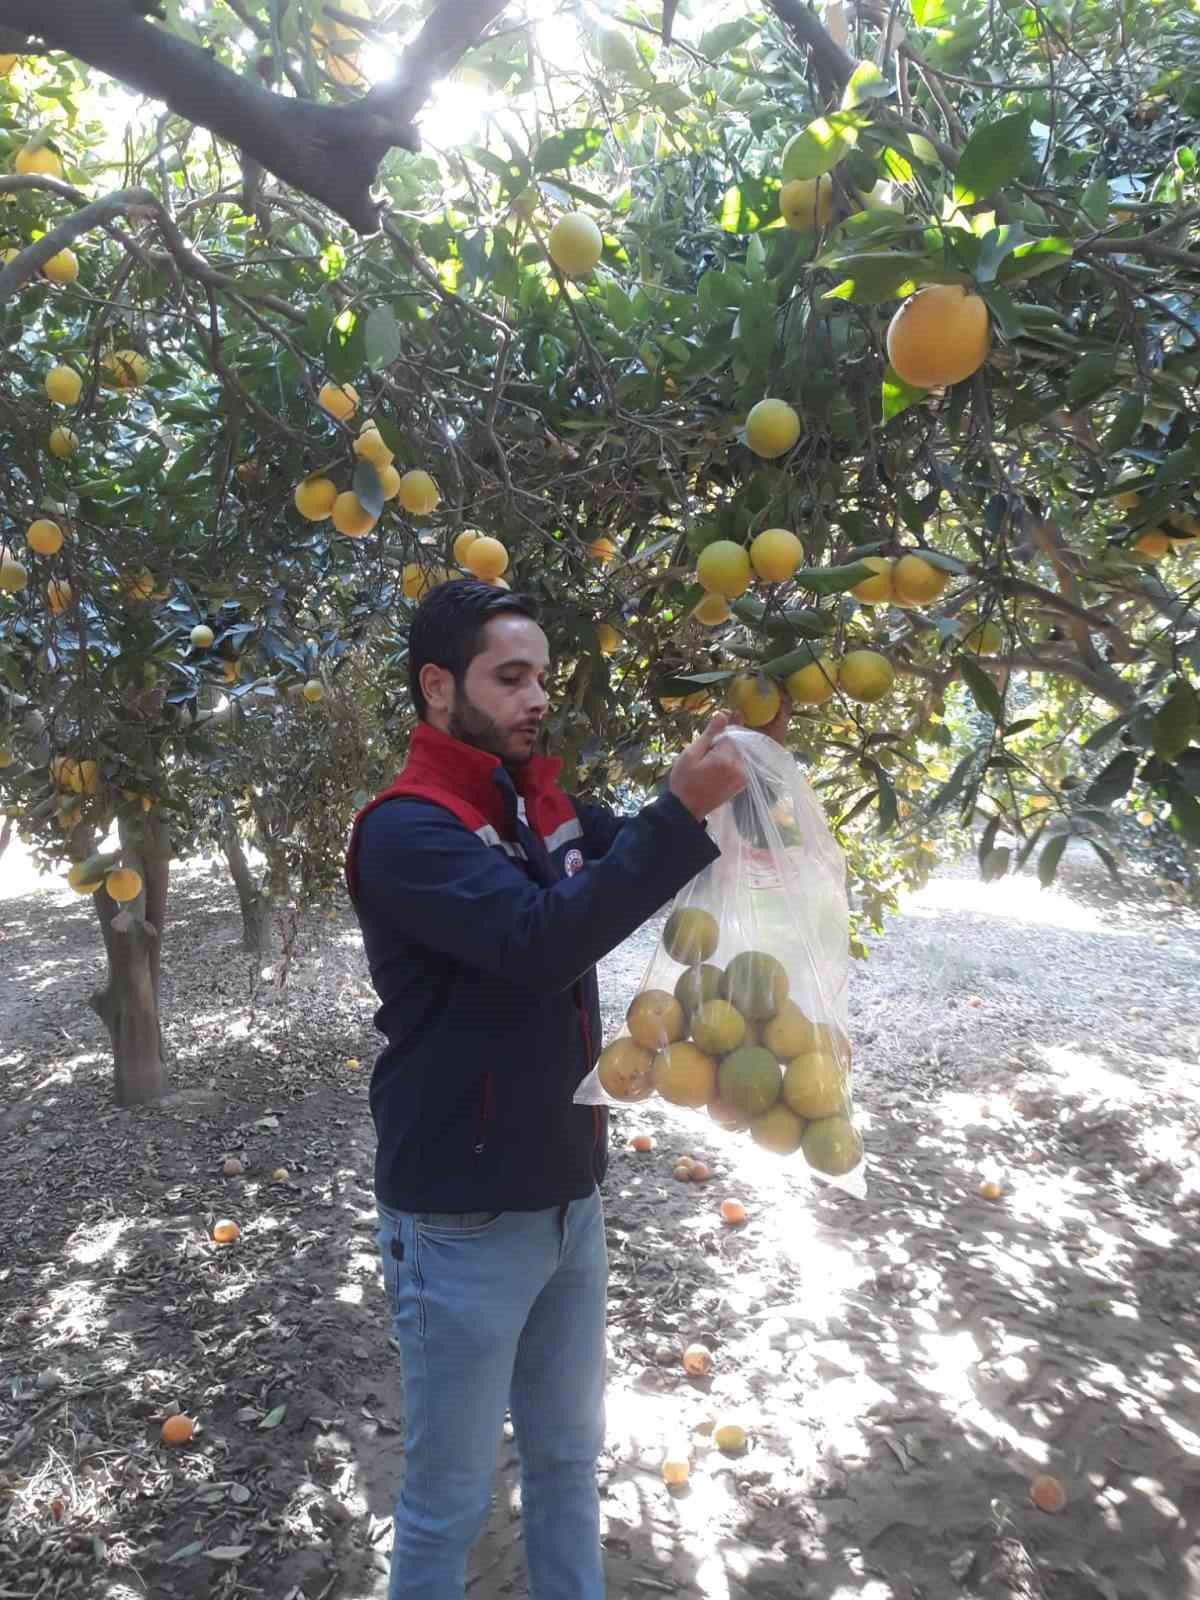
pixel 470 725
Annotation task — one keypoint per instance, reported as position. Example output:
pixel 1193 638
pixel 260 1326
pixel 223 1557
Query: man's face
pixel 503 697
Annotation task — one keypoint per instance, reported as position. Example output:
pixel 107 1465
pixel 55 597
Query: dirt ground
pixel 905 1364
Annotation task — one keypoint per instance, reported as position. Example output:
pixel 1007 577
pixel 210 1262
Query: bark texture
pixel 128 1003
pixel 256 902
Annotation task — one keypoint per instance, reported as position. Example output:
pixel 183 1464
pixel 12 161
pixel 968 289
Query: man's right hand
pixel 708 773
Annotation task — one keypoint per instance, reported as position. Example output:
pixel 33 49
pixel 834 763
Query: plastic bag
pixel 742 1012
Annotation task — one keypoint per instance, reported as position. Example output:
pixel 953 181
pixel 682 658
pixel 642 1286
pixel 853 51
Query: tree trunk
pixel 128 1003
pixel 258 931
pixel 5 834
pixel 268 827
pixel 279 882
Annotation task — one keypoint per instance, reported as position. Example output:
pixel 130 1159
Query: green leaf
pixel 619 306
pixel 1109 860
pixel 1104 735
pixel 1050 857
pixel 952 788
pixel 568 149
pixel 1090 377
pixel 1114 780
pixel 898 395
pixel 929 13
pixel 1185 814
pixel 727 36
pixel 939 558
pixel 988 840
pixel 832 580
pixel 383 340
pixel 1125 424
pixel 1005 312
pixel 888 801
pixel 368 488
pixel 1179 465
pixel 866 83
pixel 559 187
pixel 277 1413
pixel 748 206
pixel 1175 721
pixel 756 331
pixel 186 1552
pixel 1029 260
pixel 876 276
pixel 1095 202
pixel 818 148
pixel 345 347
pixel 995 246
pixel 995 864
pixel 992 156
pixel 783 666
pixel 719 292
pixel 983 690
pixel 514 175
pixel 669 97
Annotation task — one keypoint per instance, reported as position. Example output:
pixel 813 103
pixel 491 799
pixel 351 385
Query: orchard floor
pixel 905 1364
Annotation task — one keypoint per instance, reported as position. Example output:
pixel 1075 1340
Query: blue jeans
pixel 493 1311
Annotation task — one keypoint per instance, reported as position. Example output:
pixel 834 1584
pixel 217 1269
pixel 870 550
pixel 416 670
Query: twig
pixel 22 268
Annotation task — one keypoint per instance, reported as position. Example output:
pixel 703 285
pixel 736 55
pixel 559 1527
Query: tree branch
pixel 329 152
pixel 1112 688
pixel 34 257
pixel 1171 606
pixel 833 67
pixel 189 261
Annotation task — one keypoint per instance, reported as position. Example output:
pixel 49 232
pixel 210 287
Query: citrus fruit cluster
pixel 730 1040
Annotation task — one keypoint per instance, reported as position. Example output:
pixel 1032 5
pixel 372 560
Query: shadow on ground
pixel 904 1364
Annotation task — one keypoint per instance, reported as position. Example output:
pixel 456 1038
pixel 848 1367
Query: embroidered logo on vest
pixel 573 862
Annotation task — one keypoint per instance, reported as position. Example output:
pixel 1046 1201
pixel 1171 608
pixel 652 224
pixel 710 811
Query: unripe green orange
pixel 772 428
pixel 575 244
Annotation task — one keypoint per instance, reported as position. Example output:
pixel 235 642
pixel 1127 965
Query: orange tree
pixel 854 363
pixel 281 775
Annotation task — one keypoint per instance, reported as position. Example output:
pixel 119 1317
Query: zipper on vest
pixel 586 1029
pixel 486 1109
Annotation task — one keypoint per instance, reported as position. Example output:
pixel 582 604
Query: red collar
pixel 438 759
pixel 462 778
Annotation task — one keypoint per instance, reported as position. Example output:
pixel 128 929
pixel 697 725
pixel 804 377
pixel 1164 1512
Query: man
pixel 485 897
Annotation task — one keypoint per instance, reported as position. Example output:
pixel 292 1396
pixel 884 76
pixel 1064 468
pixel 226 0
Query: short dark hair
pixel 447 628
